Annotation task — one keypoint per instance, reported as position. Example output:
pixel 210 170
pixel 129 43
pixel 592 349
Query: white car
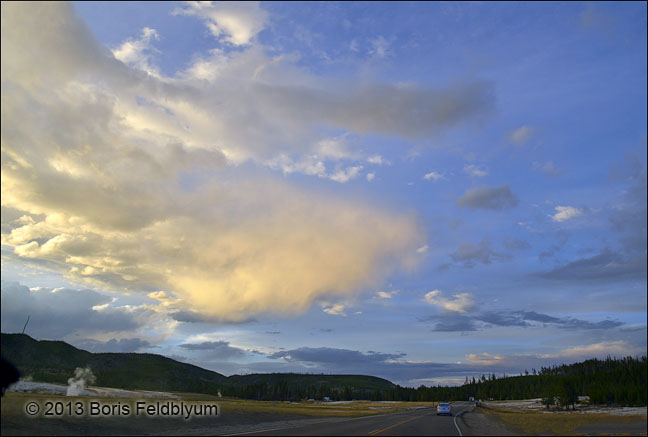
pixel 444 408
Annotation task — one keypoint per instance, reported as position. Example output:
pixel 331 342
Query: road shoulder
pixel 476 423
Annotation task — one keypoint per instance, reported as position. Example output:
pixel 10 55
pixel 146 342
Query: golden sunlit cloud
pixel 113 191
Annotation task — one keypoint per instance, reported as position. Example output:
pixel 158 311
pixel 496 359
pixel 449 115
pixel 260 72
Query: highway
pixel 417 422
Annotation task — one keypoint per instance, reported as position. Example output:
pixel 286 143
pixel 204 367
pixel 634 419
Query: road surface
pixel 418 422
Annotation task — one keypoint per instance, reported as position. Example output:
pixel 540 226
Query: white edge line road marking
pixel 455 422
pixel 457 426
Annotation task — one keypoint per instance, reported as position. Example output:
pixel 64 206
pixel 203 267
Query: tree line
pixel 619 381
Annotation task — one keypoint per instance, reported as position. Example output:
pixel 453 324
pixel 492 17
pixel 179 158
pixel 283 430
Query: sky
pixel 416 191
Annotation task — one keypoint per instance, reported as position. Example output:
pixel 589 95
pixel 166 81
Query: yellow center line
pixel 379 430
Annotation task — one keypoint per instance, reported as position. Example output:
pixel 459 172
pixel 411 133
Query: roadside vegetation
pixel 561 423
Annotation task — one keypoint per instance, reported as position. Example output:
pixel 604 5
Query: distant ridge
pixel 55 361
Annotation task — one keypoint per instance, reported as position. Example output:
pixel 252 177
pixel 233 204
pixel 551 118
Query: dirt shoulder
pixel 477 423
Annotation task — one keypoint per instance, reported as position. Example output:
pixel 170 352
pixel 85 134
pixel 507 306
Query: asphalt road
pixel 417 422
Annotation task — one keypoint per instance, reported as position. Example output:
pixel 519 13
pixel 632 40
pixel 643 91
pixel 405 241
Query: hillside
pixel 295 386
pixel 362 382
pixel 55 361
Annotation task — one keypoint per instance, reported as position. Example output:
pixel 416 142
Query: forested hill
pixel 55 361
pixel 611 381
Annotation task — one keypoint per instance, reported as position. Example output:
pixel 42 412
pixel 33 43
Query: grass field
pixel 328 409
pixel 558 423
pixel 234 413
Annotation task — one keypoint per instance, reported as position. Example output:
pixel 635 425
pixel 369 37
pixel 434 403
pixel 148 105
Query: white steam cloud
pixel 81 379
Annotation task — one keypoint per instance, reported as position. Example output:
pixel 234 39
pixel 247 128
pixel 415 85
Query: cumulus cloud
pixel 433 175
pixel 335 310
pixel 521 135
pixel 387 294
pixel 122 184
pixel 138 52
pixel 491 198
pixel 235 22
pixel 460 302
pixel 564 213
pixel 345 175
pixel 377 160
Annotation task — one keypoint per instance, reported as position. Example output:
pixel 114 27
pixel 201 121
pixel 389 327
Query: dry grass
pixel 317 409
pixel 558 423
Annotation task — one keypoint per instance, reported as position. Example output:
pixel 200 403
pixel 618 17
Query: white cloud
pixel 378 160
pixel 137 52
pixel 484 359
pixel 461 302
pixel 313 166
pixel 387 294
pixel 334 148
pixel 433 175
pixel 99 180
pixel 345 175
pixel 335 310
pixel 565 213
pixel 618 348
pixel 422 249
pixel 235 22
pixel 309 165
pixel 370 176
pixel 475 171
pixel 521 135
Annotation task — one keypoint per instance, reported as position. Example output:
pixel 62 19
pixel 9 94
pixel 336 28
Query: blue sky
pixel 419 191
